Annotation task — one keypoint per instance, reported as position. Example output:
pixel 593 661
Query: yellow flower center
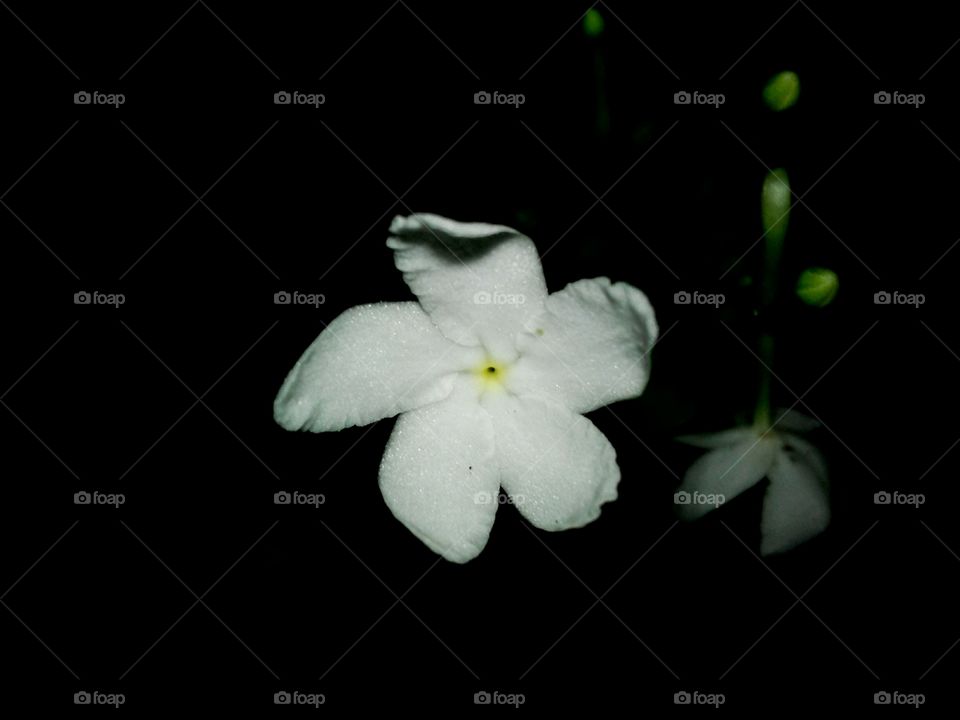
pixel 490 375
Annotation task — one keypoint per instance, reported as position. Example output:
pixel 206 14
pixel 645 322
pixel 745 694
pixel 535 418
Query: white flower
pixel 491 375
pixel 796 506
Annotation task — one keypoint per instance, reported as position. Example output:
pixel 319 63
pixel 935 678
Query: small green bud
pixel 782 91
pixel 592 23
pixel 818 286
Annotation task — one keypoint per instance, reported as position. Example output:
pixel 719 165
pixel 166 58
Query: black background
pixel 301 599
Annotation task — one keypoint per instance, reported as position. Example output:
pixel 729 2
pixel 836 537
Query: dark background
pixel 301 599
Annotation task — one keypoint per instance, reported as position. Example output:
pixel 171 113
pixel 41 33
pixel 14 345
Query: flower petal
pixel 556 466
pixel 796 506
pixel 790 420
pixel 478 282
pixel 439 477
pixel 589 347
pixel 808 453
pixel 371 362
pixel 727 472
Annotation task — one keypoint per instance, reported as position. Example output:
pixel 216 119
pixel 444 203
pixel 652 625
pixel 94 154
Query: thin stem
pixel 774 210
pixel 773 248
pixel 762 416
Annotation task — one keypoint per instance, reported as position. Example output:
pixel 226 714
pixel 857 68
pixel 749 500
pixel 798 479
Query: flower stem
pixel 775 201
pixel 761 415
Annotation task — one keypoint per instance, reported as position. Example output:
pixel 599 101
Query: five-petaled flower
pixel 491 375
pixel 796 506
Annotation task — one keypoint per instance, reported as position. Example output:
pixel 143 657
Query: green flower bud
pixel 592 23
pixel 782 91
pixel 818 286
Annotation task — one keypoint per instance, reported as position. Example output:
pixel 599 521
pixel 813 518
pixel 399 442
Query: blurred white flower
pixel 796 506
pixel 491 375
